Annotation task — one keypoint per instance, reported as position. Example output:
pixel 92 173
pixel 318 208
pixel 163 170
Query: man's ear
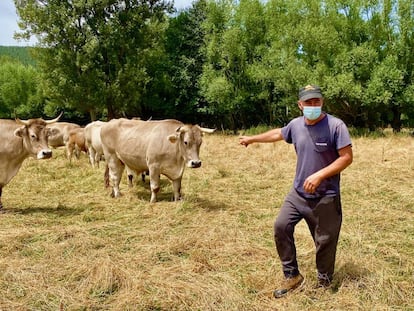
pixel 300 105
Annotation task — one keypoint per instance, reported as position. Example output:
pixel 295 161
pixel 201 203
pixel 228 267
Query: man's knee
pixel 281 228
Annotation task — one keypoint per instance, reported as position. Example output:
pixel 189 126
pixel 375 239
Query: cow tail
pixel 106 176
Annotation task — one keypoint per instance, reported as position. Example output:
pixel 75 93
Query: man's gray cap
pixel 310 91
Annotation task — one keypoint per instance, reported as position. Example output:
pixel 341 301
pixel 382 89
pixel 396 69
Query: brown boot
pixel 288 284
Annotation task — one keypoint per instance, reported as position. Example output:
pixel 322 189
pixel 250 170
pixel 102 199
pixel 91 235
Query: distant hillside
pixel 21 53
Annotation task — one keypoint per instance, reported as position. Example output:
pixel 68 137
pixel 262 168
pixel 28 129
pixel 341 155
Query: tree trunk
pixel 92 115
pixel 111 112
pixel 396 119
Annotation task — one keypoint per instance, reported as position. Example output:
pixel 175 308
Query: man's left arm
pixel 342 162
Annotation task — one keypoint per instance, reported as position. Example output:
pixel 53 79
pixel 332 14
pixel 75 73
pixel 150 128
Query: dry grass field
pixel 66 245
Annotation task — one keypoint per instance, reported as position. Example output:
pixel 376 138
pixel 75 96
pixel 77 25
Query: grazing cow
pixel 76 142
pixel 161 147
pixel 60 134
pixel 93 141
pixel 18 140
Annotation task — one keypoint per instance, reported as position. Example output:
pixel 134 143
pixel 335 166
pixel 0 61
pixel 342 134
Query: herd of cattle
pixel 163 147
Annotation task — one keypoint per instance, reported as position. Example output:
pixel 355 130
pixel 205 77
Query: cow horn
pixel 22 122
pixel 26 122
pixel 206 130
pixel 54 120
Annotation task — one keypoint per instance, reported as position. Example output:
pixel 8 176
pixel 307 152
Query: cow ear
pixel 19 132
pixel 173 138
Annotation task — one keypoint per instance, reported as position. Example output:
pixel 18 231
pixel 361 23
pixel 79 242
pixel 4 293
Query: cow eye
pixel 186 143
pixel 33 136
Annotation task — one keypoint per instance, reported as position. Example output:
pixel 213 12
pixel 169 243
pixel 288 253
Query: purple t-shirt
pixel 316 147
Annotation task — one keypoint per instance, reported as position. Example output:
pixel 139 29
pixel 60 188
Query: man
pixel 323 147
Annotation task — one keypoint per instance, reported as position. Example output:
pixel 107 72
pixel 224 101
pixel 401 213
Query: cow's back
pixel 62 130
pixel 135 141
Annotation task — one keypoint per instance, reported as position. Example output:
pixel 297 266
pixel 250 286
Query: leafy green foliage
pixel 21 54
pixel 96 54
pixel 229 64
pixel 19 94
pixel 184 41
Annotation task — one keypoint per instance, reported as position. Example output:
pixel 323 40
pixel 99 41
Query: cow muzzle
pixel 194 163
pixel 44 154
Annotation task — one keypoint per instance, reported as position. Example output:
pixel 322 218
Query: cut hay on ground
pixel 66 245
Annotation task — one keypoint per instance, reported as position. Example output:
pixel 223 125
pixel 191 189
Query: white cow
pixel 93 141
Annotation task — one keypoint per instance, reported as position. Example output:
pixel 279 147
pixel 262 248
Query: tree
pixel 95 54
pixel 185 51
pixel 19 90
pixel 235 39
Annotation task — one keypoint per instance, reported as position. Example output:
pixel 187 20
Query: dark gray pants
pixel 324 218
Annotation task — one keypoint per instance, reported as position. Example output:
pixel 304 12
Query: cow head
pixel 189 139
pixel 34 133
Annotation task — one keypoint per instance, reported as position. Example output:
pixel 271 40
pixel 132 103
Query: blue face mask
pixel 312 112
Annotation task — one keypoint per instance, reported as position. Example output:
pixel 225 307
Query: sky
pixel 8 22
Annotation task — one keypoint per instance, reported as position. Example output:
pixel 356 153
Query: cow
pixel 162 147
pixel 76 143
pixel 93 141
pixel 60 134
pixel 20 139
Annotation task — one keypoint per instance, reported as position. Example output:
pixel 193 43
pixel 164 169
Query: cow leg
pixel 130 178
pixel 77 152
pixel 97 158
pixel 154 174
pixel 116 168
pixel 1 204
pixel 92 157
pixel 177 189
pixel 130 175
pixel 69 151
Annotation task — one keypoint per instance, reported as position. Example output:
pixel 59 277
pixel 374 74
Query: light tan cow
pixel 161 147
pixel 76 143
pixel 20 139
pixel 93 141
pixel 60 134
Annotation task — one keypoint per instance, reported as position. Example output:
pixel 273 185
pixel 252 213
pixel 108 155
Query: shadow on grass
pixel 348 272
pixel 60 210
pixel 143 191
pixel 206 204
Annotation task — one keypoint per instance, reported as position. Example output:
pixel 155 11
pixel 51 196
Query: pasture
pixel 66 245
